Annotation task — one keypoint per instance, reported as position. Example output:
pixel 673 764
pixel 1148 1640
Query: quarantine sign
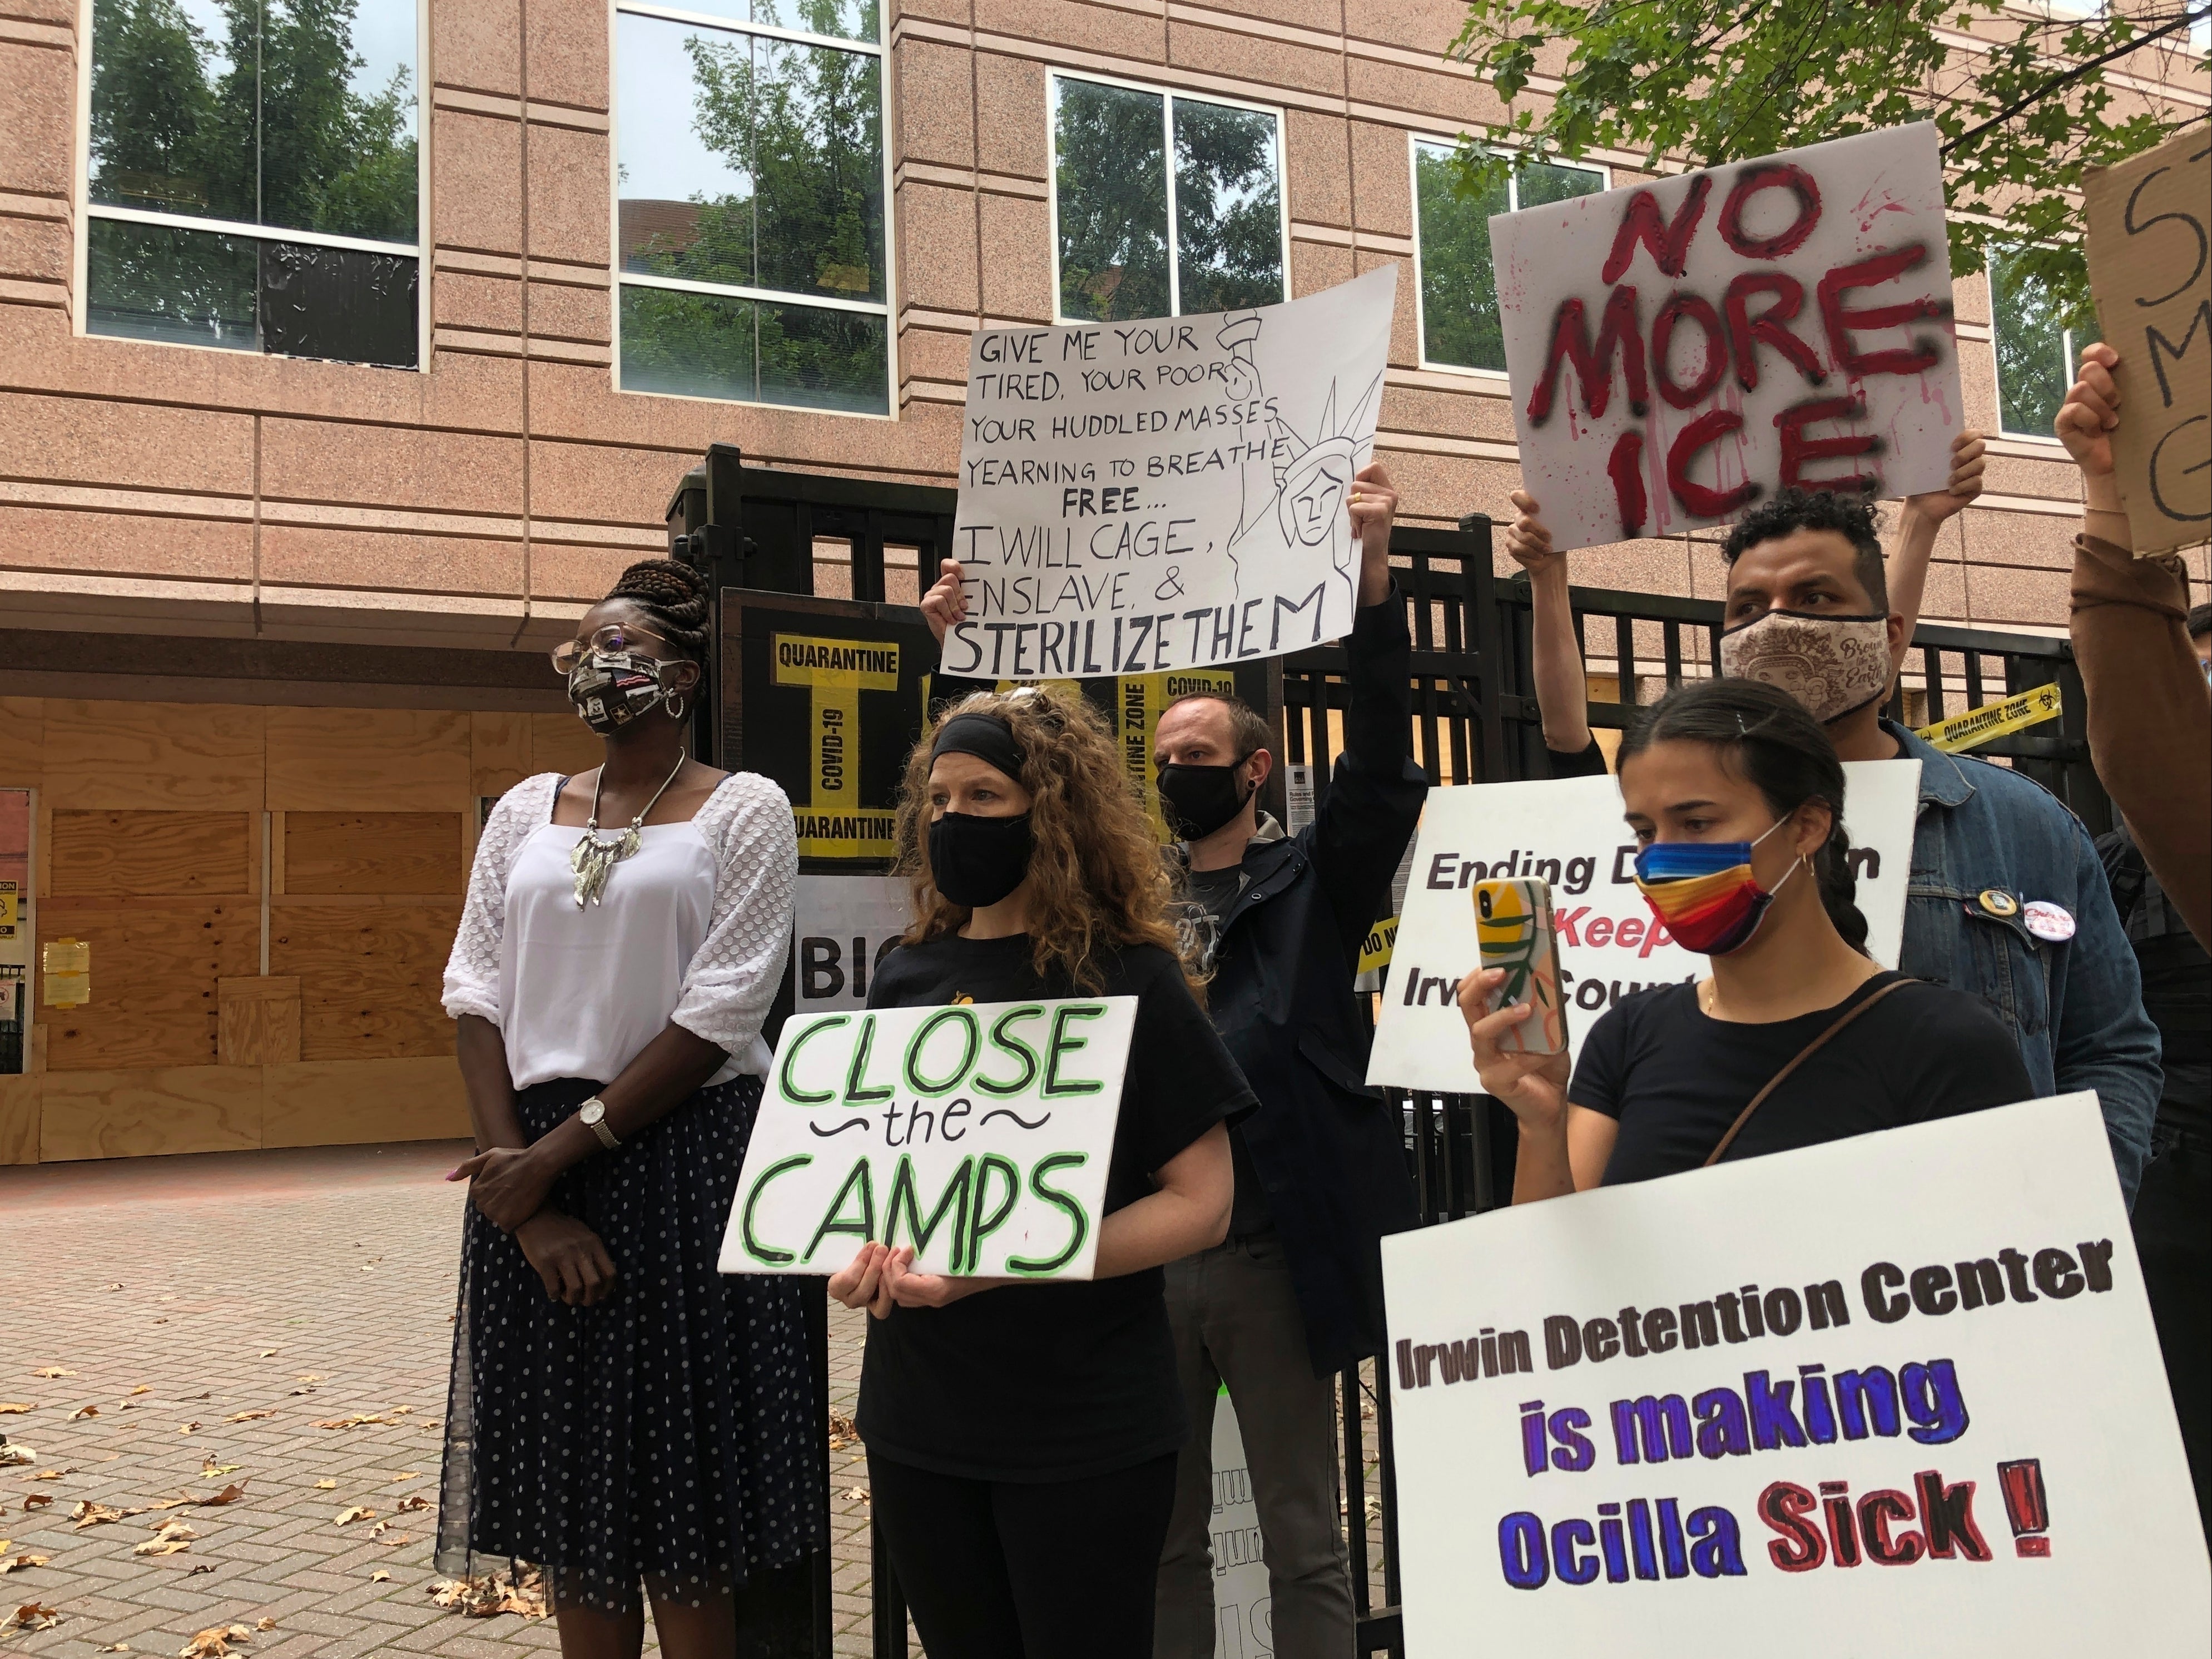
pixel 978 1134
pixel 1682 349
pixel 1899 1394
pixel 835 672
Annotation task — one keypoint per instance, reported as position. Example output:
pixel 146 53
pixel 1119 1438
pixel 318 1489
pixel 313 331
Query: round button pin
pixel 1998 902
pixel 2049 922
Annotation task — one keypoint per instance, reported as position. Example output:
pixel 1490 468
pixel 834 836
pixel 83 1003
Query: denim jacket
pixel 2075 1006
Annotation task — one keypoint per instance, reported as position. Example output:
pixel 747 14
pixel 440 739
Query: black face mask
pixel 977 861
pixel 1197 801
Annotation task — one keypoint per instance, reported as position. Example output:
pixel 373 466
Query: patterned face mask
pixel 1833 664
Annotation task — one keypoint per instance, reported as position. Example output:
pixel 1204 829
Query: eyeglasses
pixel 614 637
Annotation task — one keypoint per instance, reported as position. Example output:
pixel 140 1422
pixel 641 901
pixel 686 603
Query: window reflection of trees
pixel 1460 324
pixel 799 129
pixel 2034 346
pixel 1110 191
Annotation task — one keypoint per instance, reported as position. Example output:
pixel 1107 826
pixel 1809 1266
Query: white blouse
pixel 693 928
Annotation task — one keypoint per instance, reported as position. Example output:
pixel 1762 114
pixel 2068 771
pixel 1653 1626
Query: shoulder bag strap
pixel 1804 1054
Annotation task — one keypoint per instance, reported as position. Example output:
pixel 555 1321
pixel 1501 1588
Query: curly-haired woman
pixel 621 1414
pixel 1022 1437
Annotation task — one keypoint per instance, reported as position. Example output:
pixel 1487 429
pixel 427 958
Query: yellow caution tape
pixel 1994 719
pixel 1374 950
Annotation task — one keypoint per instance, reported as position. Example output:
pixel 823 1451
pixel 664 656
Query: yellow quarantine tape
pixel 1374 950
pixel 1994 719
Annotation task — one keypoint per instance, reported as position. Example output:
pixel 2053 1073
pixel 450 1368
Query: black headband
pixel 984 736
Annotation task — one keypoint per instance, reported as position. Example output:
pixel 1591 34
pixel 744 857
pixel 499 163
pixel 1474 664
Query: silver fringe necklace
pixel 594 859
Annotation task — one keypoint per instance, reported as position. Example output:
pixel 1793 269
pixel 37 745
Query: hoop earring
pixel 676 707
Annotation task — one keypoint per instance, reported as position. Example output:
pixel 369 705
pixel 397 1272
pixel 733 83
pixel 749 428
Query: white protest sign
pixel 1243 1600
pixel 1142 496
pixel 978 1134
pixel 1682 349
pixel 1900 1393
pixel 1568 832
pixel 843 926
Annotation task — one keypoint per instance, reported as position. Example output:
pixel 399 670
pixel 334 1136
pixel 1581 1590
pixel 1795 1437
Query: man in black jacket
pixel 1295 1294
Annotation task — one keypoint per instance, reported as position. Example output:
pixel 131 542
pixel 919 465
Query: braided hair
pixel 674 596
pixel 1766 736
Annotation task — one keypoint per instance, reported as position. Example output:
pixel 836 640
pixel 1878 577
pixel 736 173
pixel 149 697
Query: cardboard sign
pixel 842 927
pixel 1898 1393
pixel 1145 496
pixel 2150 272
pixel 1243 1600
pixel 1680 349
pixel 979 1134
pixel 1568 832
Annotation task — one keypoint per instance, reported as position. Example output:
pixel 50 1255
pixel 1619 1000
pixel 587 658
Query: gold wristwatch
pixel 593 1114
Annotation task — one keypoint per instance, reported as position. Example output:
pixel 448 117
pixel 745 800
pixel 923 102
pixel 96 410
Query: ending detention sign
pixel 977 1134
pixel 1897 1394
pixel 1680 349
pixel 1140 497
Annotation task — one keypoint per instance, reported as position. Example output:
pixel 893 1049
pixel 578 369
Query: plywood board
pixel 135 1112
pixel 372 852
pixel 173 757
pixel 18 1119
pixel 370 976
pixel 116 854
pixel 362 1102
pixel 154 965
pixel 499 752
pixel 258 1022
pixel 561 743
pixel 368 760
pixel 22 733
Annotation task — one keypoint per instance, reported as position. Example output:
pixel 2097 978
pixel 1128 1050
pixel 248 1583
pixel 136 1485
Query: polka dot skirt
pixel 666 1435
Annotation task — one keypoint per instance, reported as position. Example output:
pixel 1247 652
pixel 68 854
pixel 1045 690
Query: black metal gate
pixel 1475 720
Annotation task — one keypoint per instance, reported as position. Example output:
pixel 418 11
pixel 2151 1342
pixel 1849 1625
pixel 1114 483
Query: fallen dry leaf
pixel 188 1428
pixel 396 1540
pixel 37 1500
pixel 32 1616
pixel 523 1592
pixel 414 1500
pixel 271 1353
pixel 407 1475
pixel 90 1514
pixel 843 1434
pixel 210 1468
pixel 9 1564
pixel 173 1538
pixel 17 1407
pixel 854 1494
pixel 327 1486
pixel 380 1576
pixel 116 1285
pixel 213 1642
pixel 143 1388
pixel 51 1371
pixel 84 1411
pixel 358 1512
pixel 247 1417
pixel 194 1572
pixel 230 1494
pixel 114 1647
pixel 264 1623
pixel 53 1475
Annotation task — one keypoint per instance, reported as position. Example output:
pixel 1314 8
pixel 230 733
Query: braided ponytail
pixel 674 596
pixel 1840 888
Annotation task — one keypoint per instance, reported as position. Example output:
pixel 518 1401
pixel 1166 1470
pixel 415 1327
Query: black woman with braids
pixel 621 1416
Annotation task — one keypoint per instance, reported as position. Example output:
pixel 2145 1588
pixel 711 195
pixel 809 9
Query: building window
pixel 750 231
pixel 1460 327
pixel 1135 236
pixel 2035 351
pixel 253 177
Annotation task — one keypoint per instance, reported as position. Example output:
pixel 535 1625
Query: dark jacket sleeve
pixel 1374 793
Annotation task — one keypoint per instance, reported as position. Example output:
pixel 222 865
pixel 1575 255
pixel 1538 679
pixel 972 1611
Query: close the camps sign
pixel 1899 1393
pixel 978 1134
pixel 1681 349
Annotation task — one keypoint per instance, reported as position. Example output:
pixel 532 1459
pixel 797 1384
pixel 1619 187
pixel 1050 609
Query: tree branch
pixel 2059 82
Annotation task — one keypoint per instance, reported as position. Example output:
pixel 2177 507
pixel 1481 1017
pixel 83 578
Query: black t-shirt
pixel 1675 1077
pixel 1066 1380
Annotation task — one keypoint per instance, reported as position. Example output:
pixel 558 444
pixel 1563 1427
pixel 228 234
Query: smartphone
pixel 1513 925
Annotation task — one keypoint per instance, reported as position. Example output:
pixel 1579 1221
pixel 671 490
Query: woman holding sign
pixel 621 1414
pixel 1022 1437
pixel 1737 797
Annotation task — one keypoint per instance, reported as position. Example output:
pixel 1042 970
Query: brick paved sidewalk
pixel 213 1310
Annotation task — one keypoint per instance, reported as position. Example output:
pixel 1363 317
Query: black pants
pixel 2175 1243
pixel 998 1569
